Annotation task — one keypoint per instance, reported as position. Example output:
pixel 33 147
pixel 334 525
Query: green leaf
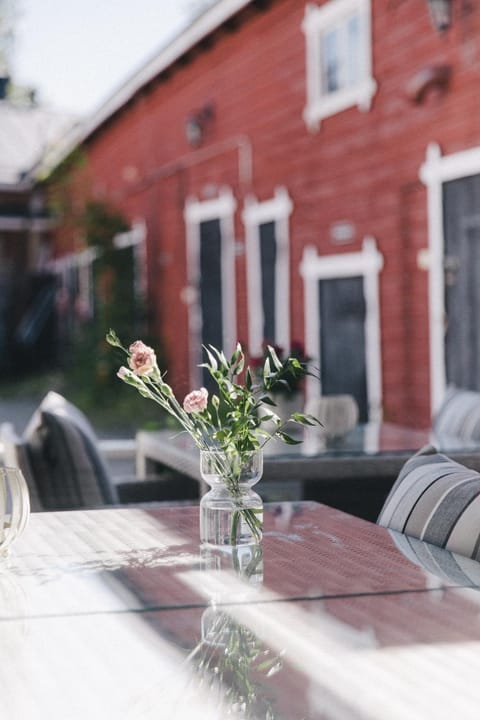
pixel 286 438
pixel 267 371
pixel 211 360
pixel 235 521
pixel 275 359
pixel 305 419
pixel 267 400
pixel 237 360
pixel 266 418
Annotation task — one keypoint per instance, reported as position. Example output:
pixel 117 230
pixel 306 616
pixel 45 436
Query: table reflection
pixel 121 614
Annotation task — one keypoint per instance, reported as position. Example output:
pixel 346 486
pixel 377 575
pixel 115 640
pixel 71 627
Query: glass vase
pixel 14 506
pixel 231 513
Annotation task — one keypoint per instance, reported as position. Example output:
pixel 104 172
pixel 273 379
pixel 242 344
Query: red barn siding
pixel 360 166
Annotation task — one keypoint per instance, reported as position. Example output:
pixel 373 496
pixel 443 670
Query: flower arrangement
pixel 228 421
pixel 291 382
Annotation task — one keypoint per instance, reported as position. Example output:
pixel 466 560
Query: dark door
pixel 211 288
pixel 462 281
pixel 342 340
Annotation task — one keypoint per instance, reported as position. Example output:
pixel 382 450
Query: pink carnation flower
pixel 142 359
pixel 196 401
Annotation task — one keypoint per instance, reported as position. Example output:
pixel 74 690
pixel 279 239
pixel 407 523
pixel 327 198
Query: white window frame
pixel 367 264
pixel 136 238
pixel 276 210
pixel 196 211
pixel 316 21
pixel 83 260
pixel 435 171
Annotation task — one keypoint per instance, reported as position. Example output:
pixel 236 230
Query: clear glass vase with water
pixel 231 512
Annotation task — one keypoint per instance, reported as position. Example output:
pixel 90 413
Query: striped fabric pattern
pixel 450 567
pixel 437 500
pixel 458 416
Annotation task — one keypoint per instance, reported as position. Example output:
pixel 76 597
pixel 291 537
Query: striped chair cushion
pixel 437 500
pixel 450 567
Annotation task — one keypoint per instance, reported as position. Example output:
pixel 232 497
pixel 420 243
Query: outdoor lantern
pixel 441 13
pixel 193 130
pixel 196 123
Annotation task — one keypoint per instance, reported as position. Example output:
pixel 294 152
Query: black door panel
pixel 342 340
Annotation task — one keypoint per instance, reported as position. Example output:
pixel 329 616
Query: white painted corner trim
pixel 276 210
pixel 368 264
pixel 435 171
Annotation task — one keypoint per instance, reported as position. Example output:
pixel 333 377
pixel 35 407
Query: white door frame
pixel 367 264
pixel 196 212
pixel 435 171
pixel 276 210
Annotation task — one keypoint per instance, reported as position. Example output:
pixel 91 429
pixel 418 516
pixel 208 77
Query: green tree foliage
pixel 92 368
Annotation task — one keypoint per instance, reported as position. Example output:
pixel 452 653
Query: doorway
pixel 342 352
pixel 342 325
pixel 453 232
pixel 461 202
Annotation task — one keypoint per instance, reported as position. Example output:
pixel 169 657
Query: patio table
pixel 353 474
pixel 119 613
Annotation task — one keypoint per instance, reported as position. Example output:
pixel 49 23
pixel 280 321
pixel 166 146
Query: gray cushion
pixel 68 468
pixel 437 500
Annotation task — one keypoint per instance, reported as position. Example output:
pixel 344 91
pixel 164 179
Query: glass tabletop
pixel 120 613
pixel 138 559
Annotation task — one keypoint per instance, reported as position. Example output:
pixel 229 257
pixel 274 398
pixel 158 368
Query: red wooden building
pixel 311 172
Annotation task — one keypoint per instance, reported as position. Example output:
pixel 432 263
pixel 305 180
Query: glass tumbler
pixel 14 506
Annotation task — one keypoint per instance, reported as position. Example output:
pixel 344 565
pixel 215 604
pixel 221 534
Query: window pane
pixel 354 69
pixel 211 289
pixel 268 257
pixel 330 62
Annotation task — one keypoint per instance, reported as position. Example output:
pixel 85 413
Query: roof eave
pixel 201 27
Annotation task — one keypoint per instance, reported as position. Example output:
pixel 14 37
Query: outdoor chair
pixel 64 468
pixel 437 500
pixel 337 413
pixel 458 417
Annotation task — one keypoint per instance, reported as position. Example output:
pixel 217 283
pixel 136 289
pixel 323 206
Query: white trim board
pixel 276 210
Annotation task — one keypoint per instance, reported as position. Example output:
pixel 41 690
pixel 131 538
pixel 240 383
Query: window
pixel 338 58
pixel 266 233
pixel 211 278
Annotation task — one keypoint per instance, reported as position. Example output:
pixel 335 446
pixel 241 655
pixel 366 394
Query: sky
pixel 76 53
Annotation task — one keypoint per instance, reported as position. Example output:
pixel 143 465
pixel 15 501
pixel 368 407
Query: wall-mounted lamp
pixel 441 14
pixel 196 122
